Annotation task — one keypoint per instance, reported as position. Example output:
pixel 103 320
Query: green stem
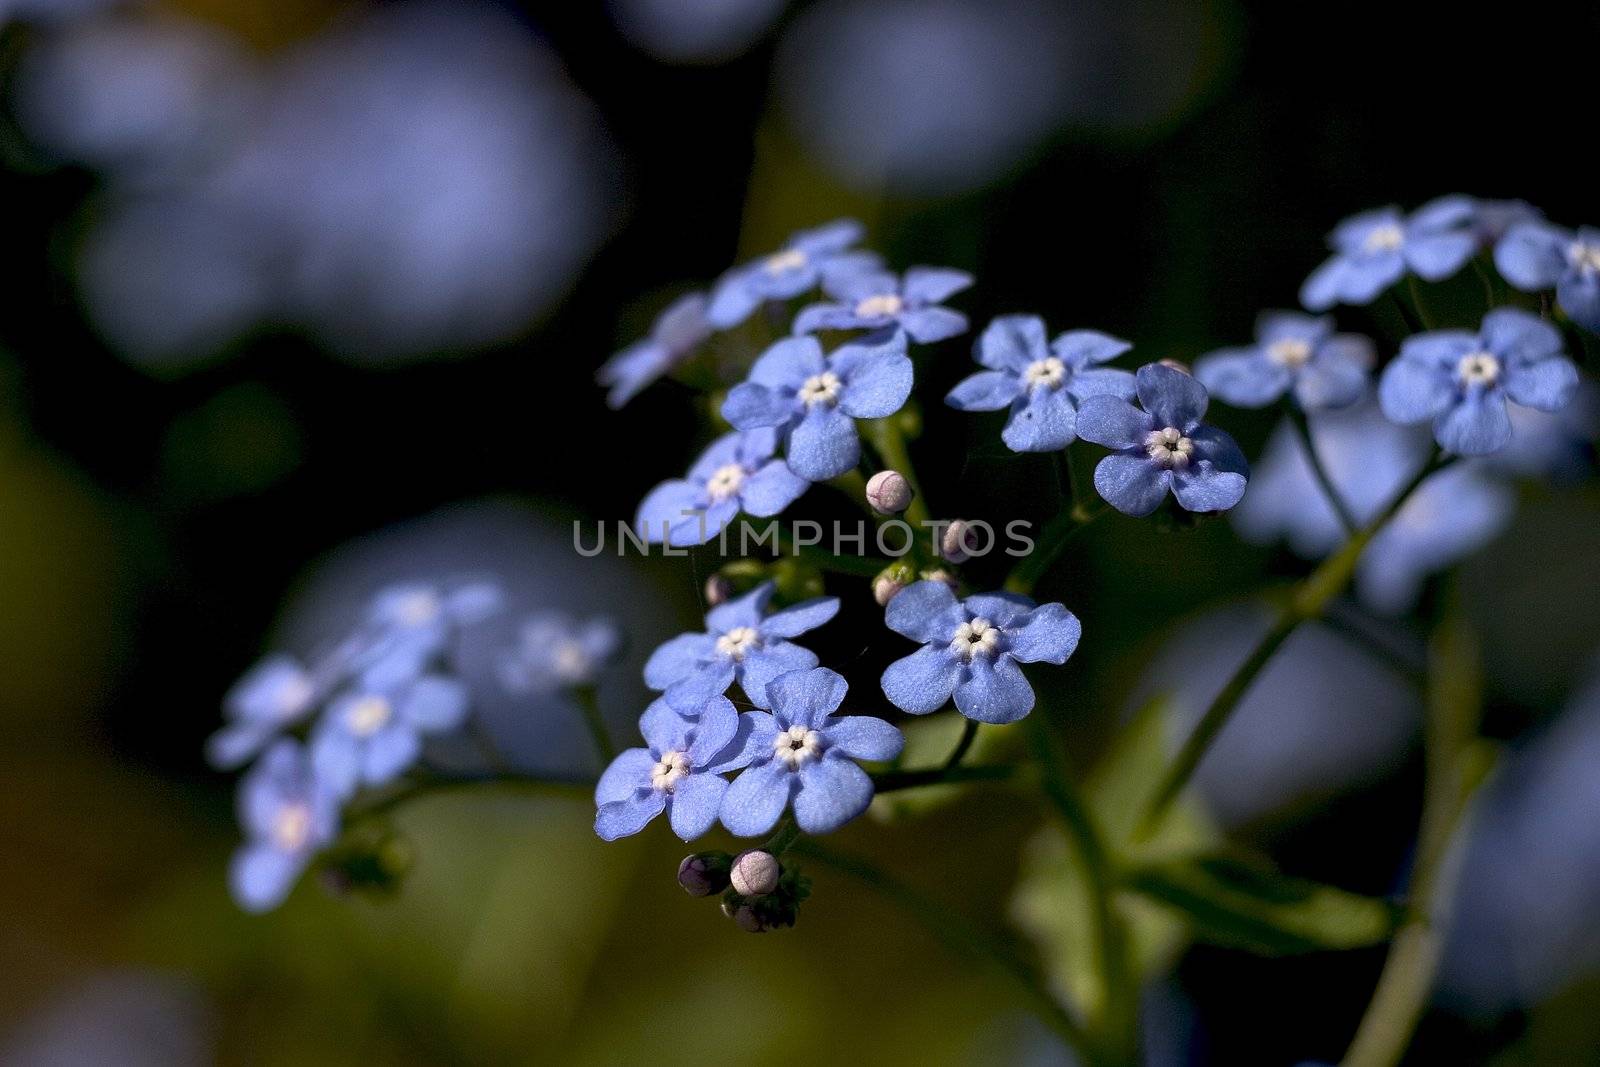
pixel 1336 499
pixel 1307 600
pixel 1452 777
pixel 1117 1012
pixel 890 444
pixel 1057 534
pixel 969 733
pixel 589 703
pixel 1416 301
pixel 962 936
pixel 784 839
pixel 1490 298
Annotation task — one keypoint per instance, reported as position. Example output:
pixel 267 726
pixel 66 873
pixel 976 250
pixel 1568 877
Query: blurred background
pixel 304 296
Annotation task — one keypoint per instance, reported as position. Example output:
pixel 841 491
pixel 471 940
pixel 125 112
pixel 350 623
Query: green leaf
pixel 1244 903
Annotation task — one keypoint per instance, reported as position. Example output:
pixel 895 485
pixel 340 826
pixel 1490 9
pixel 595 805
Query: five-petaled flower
pixel 1462 380
pixel 1163 447
pixel 741 643
pixel 273 695
pixel 288 813
pixel 1535 255
pixel 372 732
pixel 806 259
pixel 803 752
pixel 1041 382
pixel 556 651
pixel 737 473
pixel 423 617
pixel 814 399
pixel 877 300
pixel 679 771
pixel 1292 351
pixel 1373 250
pixel 971 650
pixel 676 333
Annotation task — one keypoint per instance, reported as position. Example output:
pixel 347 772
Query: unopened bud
pixel 1175 364
pixel 704 873
pixel 755 873
pixel 889 493
pixel 718 589
pixel 890 581
pixel 956 544
pixel 748 920
pixel 939 574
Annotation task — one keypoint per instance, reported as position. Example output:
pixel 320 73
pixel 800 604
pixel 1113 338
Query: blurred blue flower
pixel 288 812
pixel 1042 383
pixel 558 651
pixel 972 649
pixel 1163 447
pixel 676 333
pixel 737 473
pixel 1462 380
pixel 798 267
pixel 1536 255
pixel 1552 445
pixel 679 771
pixel 273 695
pixel 424 616
pixel 694 31
pixel 1451 515
pixel 372 733
pixel 1292 351
pixel 1374 249
pixel 877 300
pixel 741 643
pixel 802 751
pixel 1493 219
pixel 814 399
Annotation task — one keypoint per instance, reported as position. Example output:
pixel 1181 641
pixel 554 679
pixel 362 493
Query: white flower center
pixel 1169 448
pixel 1385 238
pixel 368 715
pixel 738 641
pixel 1290 352
pixel 417 609
pixel 725 482
pixel 797 746
pixel 668 771
pixel 976 638
pixel 1584 256
pixel 291 827
pixel 570 662
pixel 820 389
pixel 1049 372
pixel 787 260
pixel 1478 368
pixel 882 306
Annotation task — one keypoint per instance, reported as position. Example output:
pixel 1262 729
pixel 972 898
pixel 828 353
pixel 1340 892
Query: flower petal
pixel 1131 483
pixel 760 666
pixel 924 611
pixel 1243 377
pixel 261 876
pixel 771 489
pixel 696 800
pixel 1048 634
pixel 1101 381
pixel 756 798
pixel 864 737
pixel 930 324
pixel 805 698
pixel 1476 425
pixel 934 285
pixel 1200 487
pixel 988 390
pixel 1547 384
pixel 626 775
pixel 876 385
pixel 1532 255
pixel 1011 342
pixel 1000 608
pixel 1113 422
pixel 1411 391
pixel 623 818
pixel 677 658
pixel 663 508
pixel 749 405
pixel 1083 348
pixel 994 691
pixel 435 703
pixel 1172 397
pixel 1437 256
pixel 1045 422
pixel 788 362
pixel 832 792
pixel 802 617
pixel 1336 377
pixel 824 445
pixel 714 727
pixel 922 682
pixel 711 679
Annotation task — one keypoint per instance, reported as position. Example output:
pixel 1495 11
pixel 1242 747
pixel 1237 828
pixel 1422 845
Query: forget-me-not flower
pixel 556 651
pixel 971 650
pixel 1537 255
pixel 814 399
pixel 288 813
pixel 877 300
pixel 805 260
pixel 1292 351
pixel 676 333
pixel 741 643
pixel 273 695
pixel 1374 249
pixel 1462 380
pixel 1493 219
pixel 373 732
pixel 1451 515
pixel 737 473
pixel 423 616
pixel 1163 447
pixel 679 771
pixel 1041 382
pixel 804 753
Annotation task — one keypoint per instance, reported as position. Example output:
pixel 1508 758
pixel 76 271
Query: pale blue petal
pixel 1172 397
pixel 930 324
pixel 771 489
pixel 994 691
pixel 666 728
pixel 663 509
pixel 1438 256
pixel 1547 384
pixel 934 285
pixel 1113 422
pixel 719 453
pixel 747 609
pixel 864 737
pixel 1243 377
pixel 805 698
pixel 831 793
pixel 824 445
pixel 677 658
pixel 988 390
pixel 924 611
pixel 1412 391
pixel 260 876
pixel 389 753
pixel 1079 349
pixel 1000 608
pixel 1101 381
pixel 1443 213
pixel 1321 290
pixel 1336 377
pixel 756 798
pixel 922 682
pixel 696 800
pixel 733 299
pixel 753 742
pixel 1475 426
pixel 1579 296
pixel 1363 279
pixel 1532 255
pixel 715 724
pixel 761 665
pixel 434 704
pixel 623 818
pixel 624 776
pixel 1045 422
pixel 802 617
pixel 1518 336
pixel 749 405
pixel 1201 487
pixel 830 237
pixel 1131 483
pixel 1273 326
pixel 1048 634
pixel 1011 342
pixel 875 386
pixel 1213 447
pixel 788 362
pixel 690 692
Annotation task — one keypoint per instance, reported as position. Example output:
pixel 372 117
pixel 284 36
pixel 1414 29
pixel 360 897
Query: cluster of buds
pixel 758 893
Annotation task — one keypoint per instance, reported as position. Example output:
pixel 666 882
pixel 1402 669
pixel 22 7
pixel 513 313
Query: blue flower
pixel 972 649
pixel 1325 369
pixel 423 616
pixel 556 651
pixel 877 300
pixel 802 751
pixel 1493 219
pixel 1451 515
pixel 741 643
pixel 288 814
pixel 806 259
pixel 1536 255
pixel 677 332
pixel 1373 250
pixel 373 732
pixel 737 473
pixel 1462 380
pixel 1163 447
pixel 814 400
pixel 679 772
pixel 272 696
pixel 1043 384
